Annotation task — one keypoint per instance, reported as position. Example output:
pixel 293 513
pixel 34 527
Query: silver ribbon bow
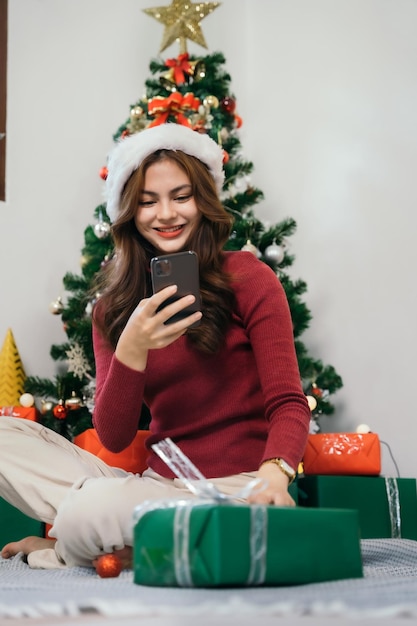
pixel 206 492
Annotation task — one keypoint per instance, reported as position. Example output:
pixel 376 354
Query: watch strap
pixel 286 469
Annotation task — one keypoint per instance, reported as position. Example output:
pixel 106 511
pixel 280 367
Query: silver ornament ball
pixel 102 230
pixel 274 253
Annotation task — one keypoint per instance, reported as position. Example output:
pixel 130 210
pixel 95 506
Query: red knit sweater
pixel 227 412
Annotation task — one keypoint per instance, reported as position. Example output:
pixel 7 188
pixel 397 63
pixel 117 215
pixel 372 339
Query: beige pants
pixel 89 504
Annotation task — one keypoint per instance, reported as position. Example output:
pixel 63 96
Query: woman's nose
pixel 166 210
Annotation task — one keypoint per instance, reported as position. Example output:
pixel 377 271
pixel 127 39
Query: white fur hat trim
pixel 132 150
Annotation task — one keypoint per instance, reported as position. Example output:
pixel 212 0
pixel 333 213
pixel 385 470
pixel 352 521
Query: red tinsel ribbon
pixel 180 67
pixel 175 104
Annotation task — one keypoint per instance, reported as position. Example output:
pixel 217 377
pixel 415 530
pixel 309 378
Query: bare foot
pixel 26 545
pixel 125 556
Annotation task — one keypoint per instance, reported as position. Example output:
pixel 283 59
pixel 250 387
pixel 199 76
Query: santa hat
pixel 129 153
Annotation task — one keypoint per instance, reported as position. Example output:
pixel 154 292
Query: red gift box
pixel 28 413
pixel 132 459
pixel 343 454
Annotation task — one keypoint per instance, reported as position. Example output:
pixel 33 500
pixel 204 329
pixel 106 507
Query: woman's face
pixel 167 213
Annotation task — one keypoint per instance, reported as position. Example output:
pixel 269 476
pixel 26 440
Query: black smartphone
pixel 181 269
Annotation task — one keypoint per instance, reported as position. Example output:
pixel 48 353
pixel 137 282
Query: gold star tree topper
pixel 182 21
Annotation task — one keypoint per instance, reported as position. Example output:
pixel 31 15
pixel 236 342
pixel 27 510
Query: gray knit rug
pixel 389 589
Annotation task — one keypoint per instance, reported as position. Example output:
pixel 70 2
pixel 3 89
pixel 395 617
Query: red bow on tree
pixel 179 67
pixel 174 105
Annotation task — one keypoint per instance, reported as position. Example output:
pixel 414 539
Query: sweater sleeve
pixel 118 398
pixel 263 307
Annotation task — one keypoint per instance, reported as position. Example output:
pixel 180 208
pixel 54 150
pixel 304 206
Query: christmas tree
pixel 194 91
pixel 12 373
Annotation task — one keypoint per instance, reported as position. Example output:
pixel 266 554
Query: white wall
pixel 328 93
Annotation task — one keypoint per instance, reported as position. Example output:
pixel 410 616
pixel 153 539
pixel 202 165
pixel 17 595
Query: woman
pixel 227 391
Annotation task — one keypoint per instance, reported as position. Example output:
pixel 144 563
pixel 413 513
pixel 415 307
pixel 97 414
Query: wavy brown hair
pixel 125 280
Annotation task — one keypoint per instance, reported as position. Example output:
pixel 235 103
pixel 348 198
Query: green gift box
pixel 14 525
pixel 387 507
pixel 195 544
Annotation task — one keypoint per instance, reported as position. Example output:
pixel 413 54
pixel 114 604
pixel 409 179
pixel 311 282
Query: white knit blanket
pixel 389 589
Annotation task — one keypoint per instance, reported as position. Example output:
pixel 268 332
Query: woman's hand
pixel 146 329
pixel 276 491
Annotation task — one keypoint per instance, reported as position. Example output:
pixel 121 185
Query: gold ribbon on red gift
pixel 343 454
pixel 179 67
pixel 174 105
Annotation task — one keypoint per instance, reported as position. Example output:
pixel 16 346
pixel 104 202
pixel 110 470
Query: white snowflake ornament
pixel 77 362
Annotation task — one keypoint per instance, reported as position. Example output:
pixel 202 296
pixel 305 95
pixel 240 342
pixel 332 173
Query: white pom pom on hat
pixel 129 153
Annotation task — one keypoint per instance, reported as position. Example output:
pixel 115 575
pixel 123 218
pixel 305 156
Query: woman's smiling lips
pixel 169 233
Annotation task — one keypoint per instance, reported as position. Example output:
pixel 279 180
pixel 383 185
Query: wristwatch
pixel 284 467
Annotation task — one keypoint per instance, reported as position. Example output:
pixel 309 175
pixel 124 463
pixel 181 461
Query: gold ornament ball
pixel 56 306
pixel 74 402
pixel 249 247
pixel 27 400
pixel 211 101
pixel 46 406
pixel 312 402
pixel 136 112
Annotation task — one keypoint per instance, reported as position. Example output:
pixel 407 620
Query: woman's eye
pixel 184 198
pixel 146 202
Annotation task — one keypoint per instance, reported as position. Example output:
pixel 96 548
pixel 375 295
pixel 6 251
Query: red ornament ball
pixel 108 566
pixel 60 411
pixel 316 391
pixel 238 121
pixel 225 157
pixel 103 172
pixel 228 104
